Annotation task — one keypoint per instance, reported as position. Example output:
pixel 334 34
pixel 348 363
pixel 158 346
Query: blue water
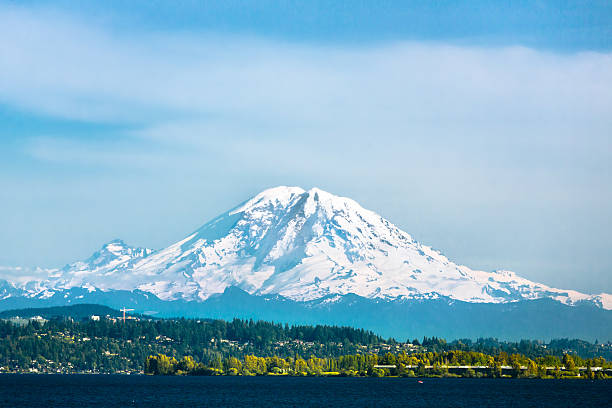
pixel 142 391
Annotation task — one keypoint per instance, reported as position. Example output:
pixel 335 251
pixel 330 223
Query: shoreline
pixel 432 377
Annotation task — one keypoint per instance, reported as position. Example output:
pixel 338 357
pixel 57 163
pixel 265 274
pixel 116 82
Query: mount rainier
pixel 305 256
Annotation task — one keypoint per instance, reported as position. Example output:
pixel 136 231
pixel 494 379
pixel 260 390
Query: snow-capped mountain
pixel 302 245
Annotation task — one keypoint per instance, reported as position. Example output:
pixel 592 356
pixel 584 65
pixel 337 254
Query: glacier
pixel 302 245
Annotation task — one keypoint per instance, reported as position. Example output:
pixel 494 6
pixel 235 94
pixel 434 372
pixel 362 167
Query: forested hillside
pixel 111 345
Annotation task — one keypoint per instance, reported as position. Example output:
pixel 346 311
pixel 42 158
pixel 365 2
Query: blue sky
pixel 481 128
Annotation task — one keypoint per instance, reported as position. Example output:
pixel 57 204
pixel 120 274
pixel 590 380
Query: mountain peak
pixel 319 194
pixel 282 197
pixel 272 197
pixel 303 245
pixel 111 255
pixel 115 246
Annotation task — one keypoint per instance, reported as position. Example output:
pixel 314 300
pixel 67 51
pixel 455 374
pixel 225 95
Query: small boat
pixel 420 382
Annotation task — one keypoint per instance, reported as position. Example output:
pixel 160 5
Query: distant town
pixel 121 343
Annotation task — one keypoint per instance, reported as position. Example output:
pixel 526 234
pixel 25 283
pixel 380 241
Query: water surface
pixel 103 391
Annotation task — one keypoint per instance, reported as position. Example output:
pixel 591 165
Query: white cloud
pixel 216 93
pixel 456 131
pixel 58 65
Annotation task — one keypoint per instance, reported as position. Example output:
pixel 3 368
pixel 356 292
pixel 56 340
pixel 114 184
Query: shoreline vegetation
pixel 389 365
pixel 140 345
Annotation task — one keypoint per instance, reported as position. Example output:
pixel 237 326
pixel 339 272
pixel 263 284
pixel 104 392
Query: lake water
pixel 143 391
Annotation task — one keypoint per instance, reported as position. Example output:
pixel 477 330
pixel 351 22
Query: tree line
pixel 455 363
pixel 109 346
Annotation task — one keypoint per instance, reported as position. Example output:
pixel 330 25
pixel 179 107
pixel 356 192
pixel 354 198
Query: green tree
pixel 187 364
pixel 495 369
pixel 589 372
pixel 568 363
pixel 515 363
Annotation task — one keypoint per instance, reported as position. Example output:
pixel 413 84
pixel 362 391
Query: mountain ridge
pixel 543 319
pixel 302 245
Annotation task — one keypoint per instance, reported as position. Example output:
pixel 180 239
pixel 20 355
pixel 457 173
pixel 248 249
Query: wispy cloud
pixel 58 65
pixel 424 122
pixel 206 90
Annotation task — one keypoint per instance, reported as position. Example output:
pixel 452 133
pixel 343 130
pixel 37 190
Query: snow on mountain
pixel 101 270
pixel 8 289
pixel 113 258
pixel 303 245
